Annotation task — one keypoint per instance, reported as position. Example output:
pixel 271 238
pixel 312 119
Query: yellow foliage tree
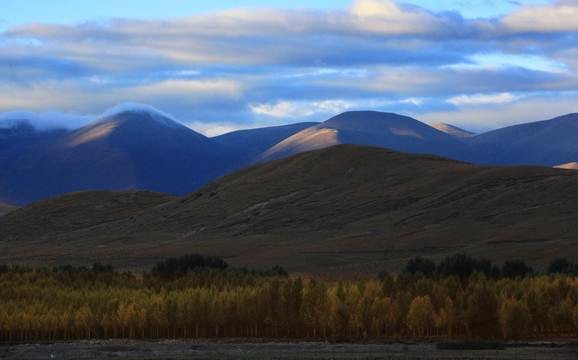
pixel 420 317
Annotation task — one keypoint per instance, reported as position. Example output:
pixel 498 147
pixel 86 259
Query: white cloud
pixel 483 99
pixel 192 88
pixel 48 120
pixel 557 17
pixel 389 17
pixel 53 119
pixel 216 129
pixel 136 107
pixel 503 60
pixel 485 118
pixel 304 109
pixel 248 65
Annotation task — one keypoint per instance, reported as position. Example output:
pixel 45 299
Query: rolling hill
pixel 372 128
pixel 340 211
pixel 545 143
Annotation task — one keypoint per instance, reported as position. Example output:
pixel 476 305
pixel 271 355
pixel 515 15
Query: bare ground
pixel 214 350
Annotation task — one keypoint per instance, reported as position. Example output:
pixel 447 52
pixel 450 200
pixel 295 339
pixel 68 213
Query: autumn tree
pixel 420 317
pixel 515 319
pixel 482 312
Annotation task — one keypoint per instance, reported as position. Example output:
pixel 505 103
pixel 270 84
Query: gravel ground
pixel 214 350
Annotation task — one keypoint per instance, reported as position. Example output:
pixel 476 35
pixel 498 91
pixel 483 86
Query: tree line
pixel 75 303
pixel 463 265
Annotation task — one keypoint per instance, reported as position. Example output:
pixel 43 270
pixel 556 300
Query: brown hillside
pixel 340 211
pixel 5 208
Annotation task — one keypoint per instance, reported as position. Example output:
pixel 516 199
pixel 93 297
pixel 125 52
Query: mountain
pixel 453 131
pixel 546 143
pixel 256 141
pixel 18 144
pixel 372 128
pixel 142 148
pixel 129 150
pixel 342 211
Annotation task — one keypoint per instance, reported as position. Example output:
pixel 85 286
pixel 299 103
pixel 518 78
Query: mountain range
pixel 372 128
pixel 341 211
pixel 142 149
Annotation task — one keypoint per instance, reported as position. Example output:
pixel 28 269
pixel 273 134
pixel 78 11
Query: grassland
pixel 341 212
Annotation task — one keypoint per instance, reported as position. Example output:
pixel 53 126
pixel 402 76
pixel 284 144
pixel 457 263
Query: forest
pixel 201 297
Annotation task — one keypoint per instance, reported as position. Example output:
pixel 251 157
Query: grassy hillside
pixel 344 211
pixel 5 208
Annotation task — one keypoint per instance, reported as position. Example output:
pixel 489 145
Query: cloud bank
pixel 57 120
pixel 242 67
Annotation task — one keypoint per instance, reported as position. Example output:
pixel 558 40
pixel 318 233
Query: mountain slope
pixel 572 165
pixel 340 211
pixel 128 150
pixel 143 151
pixel 546 143
pixel 372 128
pixel 452 131
pixel 255 141
pixel 19 182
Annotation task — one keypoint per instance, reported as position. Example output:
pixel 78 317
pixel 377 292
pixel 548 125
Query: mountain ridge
pixel 543 143
pixel 372 128
pixel 139 147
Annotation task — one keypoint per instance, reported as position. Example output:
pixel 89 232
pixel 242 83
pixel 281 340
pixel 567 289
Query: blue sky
pixel 225 65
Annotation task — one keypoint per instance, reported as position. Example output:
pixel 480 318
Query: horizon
pixel 216 68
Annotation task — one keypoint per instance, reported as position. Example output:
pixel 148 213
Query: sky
pixel 224 65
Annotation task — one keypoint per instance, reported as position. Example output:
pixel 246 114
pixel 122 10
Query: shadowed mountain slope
pixel 340 211
pixel 372 128
pixel 546 143
pixel 129 150
pixel 19 183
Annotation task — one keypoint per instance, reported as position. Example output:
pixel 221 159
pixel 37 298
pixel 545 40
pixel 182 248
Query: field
pixel 215 350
